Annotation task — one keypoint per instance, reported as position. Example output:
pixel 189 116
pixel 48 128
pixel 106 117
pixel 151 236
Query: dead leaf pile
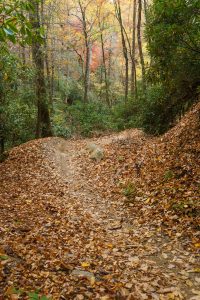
pixel 126 227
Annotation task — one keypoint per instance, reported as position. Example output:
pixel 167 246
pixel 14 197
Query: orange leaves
pixel 65 227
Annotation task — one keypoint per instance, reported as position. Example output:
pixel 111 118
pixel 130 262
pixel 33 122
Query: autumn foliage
pixel 80 229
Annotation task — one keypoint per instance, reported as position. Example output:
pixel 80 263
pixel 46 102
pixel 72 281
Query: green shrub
pixel 20 122
pixel 130 190
pixel 68 89
pixel 124 115
pixel 84 119
pixel 169 174
pixel 148 111
pixel 173 35
pixel 152 110
pixel 17 100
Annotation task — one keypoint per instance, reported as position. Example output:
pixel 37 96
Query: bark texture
pixel 124 47
pixel 139 36
pixel 43 126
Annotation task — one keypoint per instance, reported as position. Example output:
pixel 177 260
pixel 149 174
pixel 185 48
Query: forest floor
pixel 126 227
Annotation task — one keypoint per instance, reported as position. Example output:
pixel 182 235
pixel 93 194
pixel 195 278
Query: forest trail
pixel 69 157
pixel 140 261
pixel 74 228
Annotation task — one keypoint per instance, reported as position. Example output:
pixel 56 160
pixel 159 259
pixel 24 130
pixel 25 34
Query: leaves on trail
pixel 120 228
pixel 85 264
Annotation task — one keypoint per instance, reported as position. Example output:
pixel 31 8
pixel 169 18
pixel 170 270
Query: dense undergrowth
pixel 148 111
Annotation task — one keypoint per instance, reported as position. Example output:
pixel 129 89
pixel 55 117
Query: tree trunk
pixel 104 68
pixel 43 127
pixel 87 72
pixel 101 81
pixel 2 133
pixel 52 68
pixel 133 64
pixel 88 52
pixel 145 8
pixel 45 24
pixel 110 60
pixel 2 117
pixel 146 5
pixel 2 148
pixel 140 42
pixel 48 78
pixel 125 50
pixel 23 53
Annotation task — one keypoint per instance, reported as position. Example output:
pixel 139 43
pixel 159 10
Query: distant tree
pixel 139 37
pixel 103 24
pixel 124 46
pixel 133 52
pixel 86 32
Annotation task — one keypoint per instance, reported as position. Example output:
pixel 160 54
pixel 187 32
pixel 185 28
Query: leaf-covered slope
pixel 126 227
pixel 165 170
pixel 171 170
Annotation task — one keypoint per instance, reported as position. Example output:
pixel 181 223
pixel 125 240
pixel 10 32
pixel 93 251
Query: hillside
pixel 126 227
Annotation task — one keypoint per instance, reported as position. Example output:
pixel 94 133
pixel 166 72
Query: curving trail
pixel 67 230
pixel 127 259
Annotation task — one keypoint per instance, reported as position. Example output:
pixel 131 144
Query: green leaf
pixel 33 296
pixel 12 27
pixel 8 31
pixel 12 38
pixel 18 291
pixel 44 298
pixel 4 257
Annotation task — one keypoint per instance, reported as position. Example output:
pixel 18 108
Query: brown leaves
pixel 66 227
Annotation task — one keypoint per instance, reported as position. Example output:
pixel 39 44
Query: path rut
pixel 138 260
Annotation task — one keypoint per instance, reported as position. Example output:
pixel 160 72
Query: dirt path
pixel 67 232
pixel 68 158
pixel 118 256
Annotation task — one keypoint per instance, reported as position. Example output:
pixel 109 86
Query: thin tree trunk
pixel 2 148
pixel 43 127
pixel 23 56
pixel 52 81
pixel 109 73
pixel 140 42
pixel 104 68
pixel 110 60
pixel 87 72
pixel 125 51
pixel 146 5
pixel 126 78
pixel 2 133
pixel 145 8
pixel 133 66
pixel 46 57
pixel 101 81
pixel 48 73
pixel 88 53
pixel 52 68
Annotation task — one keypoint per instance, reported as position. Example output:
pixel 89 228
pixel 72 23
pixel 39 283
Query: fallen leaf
pixel 85 264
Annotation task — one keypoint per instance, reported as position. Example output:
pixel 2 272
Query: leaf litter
pixel 125 227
